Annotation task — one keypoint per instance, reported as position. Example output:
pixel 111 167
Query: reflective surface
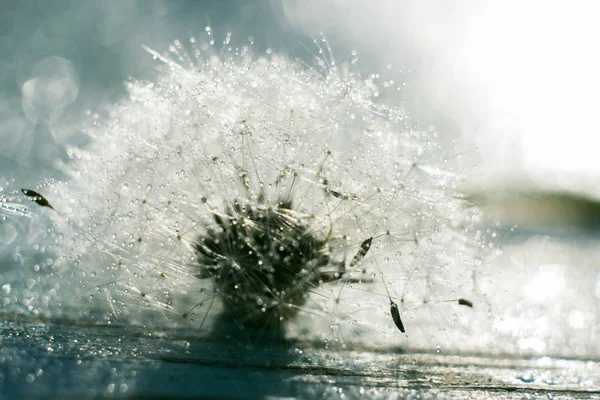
pixel 84 362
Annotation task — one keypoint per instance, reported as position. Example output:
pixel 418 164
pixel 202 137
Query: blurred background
pixel 511 87
pixel 514 84
pixel 65 59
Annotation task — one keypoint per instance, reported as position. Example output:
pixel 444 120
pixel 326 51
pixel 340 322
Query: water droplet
pixel 6 289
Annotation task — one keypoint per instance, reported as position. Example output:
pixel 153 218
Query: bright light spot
pixel 536 67
pixel 507 326
pixel 6 289
pixel 577 320
pixel 8 233
pixel 52 86
pixel 537 345
pixel 547 283
pixel 544 362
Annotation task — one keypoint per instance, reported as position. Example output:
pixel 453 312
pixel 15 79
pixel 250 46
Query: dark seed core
pixel 263 259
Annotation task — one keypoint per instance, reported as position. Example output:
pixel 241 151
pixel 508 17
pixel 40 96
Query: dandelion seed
pixel 465 302
pixel 394 311
pixel 462 302
pixel 396 316
pixel 364 248
pixel 37 198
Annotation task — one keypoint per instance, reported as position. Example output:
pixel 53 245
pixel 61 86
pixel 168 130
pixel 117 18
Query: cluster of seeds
pixel 259 188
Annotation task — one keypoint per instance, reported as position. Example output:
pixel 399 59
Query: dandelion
pixel 264 189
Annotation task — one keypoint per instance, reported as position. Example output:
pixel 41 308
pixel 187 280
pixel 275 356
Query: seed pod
pixel 393 307
pixel 37 198
pixel 364 248
pixel 396 316
pixel 465 302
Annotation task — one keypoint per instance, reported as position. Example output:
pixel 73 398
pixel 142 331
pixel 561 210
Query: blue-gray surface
pixel 75 361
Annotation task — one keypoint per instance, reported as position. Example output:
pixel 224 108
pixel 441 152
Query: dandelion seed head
pixel 245 184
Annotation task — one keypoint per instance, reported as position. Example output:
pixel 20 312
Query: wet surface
pixel 76 361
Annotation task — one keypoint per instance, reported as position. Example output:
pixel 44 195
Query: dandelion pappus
pixel 255 188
